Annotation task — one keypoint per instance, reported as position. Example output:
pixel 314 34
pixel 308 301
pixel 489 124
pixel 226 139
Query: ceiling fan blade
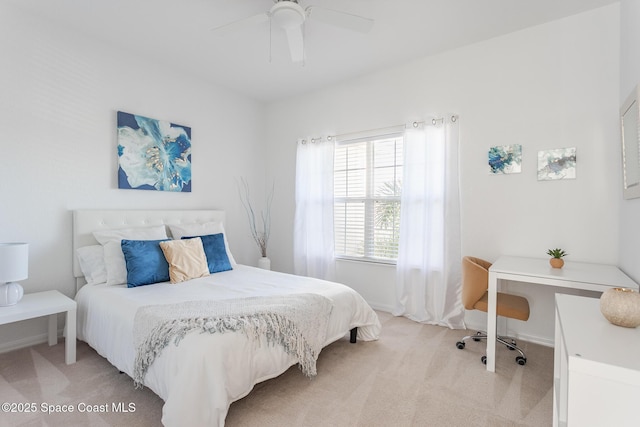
pixel 296 43
pixel 340 19
pixel 241 23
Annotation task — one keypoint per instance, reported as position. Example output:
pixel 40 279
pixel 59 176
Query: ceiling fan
pixel 290 16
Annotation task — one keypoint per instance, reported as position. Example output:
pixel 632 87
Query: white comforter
pixel 201 377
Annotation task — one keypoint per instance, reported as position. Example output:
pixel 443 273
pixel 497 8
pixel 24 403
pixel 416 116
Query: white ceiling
pixel 178 33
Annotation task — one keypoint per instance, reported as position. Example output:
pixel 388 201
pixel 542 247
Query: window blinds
pixel 367 188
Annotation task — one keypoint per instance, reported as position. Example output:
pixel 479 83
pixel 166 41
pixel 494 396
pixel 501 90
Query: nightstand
pixel 48 303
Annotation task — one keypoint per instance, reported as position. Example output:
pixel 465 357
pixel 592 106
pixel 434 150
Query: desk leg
pixel 70 339
pixel 53 329
pixel 491 322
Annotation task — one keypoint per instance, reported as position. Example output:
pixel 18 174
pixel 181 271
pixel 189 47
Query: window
pixel 367 187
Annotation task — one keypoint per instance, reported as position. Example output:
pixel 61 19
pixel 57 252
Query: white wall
pixel 555 85
pixel 551 86
pixel 629 78
pixel 59 93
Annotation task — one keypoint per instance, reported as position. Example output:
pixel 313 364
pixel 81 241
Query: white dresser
pixel 596 367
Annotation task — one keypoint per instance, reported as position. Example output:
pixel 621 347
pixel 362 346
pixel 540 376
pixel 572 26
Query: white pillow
pixel 113 256
pixel 202 229
pixel 91 259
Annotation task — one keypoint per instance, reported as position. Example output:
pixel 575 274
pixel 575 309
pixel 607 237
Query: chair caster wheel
pixel 521 360
pixel 483 359
pixel 477 339
pixel 460 345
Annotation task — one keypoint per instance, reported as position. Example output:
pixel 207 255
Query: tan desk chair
pixel 475 283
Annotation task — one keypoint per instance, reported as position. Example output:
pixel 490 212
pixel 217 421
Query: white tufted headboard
pixel 85 222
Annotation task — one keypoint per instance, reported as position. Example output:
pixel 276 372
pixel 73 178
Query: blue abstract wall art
pixel 153 154
pixel 505 159
pixel 559 163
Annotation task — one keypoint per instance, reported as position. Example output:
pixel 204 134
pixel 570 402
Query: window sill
pixel 391 263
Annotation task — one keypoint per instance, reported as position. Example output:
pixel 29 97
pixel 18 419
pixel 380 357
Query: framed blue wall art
pixel 505 159
pixel 153 154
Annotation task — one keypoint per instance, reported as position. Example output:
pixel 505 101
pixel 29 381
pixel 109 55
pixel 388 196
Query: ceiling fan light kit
pixel 287 14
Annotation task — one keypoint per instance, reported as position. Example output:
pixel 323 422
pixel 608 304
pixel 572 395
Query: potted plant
pixel 556 260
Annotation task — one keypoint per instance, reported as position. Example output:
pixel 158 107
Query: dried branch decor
pixel 260 237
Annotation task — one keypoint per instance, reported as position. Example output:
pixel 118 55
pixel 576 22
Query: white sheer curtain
pixel 313 245
pixel 428 276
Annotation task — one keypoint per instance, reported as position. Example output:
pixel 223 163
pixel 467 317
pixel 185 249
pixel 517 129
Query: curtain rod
pixel 394 128
pixel 389 129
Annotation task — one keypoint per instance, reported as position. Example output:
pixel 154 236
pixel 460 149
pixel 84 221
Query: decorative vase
pixel 556 262
pixel 264 263
pixel 621 307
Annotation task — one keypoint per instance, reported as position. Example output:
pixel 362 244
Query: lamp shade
pixel 14 262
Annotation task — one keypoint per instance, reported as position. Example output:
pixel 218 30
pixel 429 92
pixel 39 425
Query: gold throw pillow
pixel 186 259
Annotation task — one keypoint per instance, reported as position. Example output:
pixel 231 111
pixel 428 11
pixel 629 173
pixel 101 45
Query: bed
pixel 227 331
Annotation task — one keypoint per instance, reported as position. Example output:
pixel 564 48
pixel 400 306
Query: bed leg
pixel 354 334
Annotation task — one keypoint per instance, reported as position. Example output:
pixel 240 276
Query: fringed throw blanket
pixel 296 322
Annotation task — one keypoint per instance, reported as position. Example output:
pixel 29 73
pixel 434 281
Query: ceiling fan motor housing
pixel 287 14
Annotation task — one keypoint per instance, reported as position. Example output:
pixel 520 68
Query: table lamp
pixel 14 265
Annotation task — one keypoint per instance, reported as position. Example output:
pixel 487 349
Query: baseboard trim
pixel 381 307
pixel 535 339
pixel 27 342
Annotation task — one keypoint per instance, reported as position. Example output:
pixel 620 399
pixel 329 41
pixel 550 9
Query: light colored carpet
pixel 413 376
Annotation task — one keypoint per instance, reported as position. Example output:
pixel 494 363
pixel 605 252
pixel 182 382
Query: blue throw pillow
pixel 216 252
pixel 145 261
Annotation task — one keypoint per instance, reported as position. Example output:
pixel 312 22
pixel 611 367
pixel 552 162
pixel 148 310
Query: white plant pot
pixel 264 263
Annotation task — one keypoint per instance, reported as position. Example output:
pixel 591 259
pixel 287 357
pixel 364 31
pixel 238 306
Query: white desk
pixel 48 303
pixel 575 275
